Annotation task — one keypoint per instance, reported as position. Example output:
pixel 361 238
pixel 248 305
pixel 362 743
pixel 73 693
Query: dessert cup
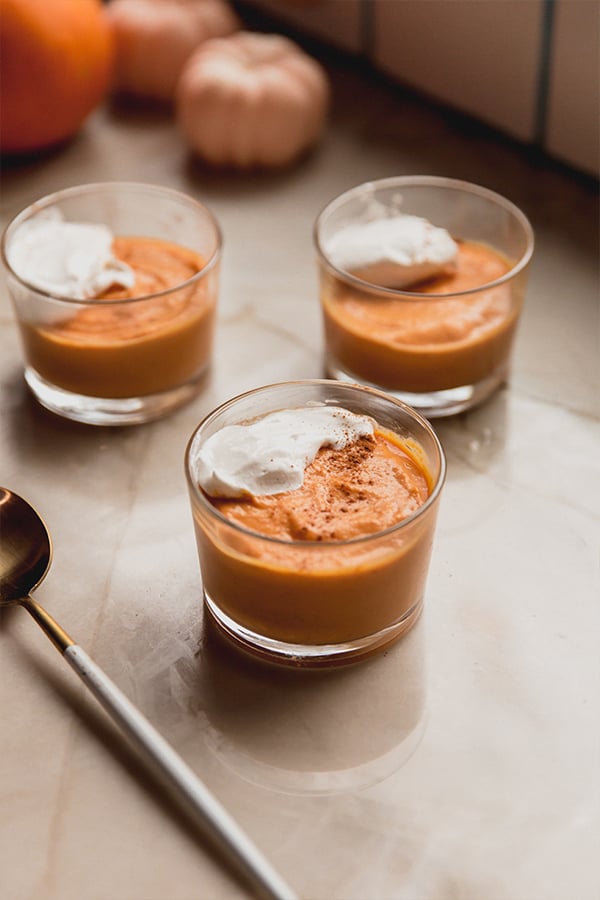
pixel 114 359
pixel 439 349
pixel 316 601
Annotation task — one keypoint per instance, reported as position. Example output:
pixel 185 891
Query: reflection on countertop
pixel 312 731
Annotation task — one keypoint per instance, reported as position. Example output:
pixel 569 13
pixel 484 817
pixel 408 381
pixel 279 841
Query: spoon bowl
pixel 25 548
pixel 25 557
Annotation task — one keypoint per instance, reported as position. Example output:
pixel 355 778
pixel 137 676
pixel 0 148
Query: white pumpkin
pixel 251 100
pixel 154 39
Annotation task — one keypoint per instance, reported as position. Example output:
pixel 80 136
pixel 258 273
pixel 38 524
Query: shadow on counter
pixel 312 731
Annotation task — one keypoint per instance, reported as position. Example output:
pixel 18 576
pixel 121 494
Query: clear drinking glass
pixel 118 361
pixel 439 352
pixel 316 602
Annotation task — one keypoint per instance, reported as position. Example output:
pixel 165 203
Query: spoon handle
pixel 214 820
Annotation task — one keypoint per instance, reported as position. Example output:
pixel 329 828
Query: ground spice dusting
pixel 366 487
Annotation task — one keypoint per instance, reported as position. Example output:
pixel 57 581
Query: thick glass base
pixel 316 654
pixel 432 404
pixel 107 410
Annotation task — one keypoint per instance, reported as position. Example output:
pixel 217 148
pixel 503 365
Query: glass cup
pixel 115 359
pixel 316 602
pixel 439 346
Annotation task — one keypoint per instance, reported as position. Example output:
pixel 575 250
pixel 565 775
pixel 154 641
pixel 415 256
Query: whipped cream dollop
pixel 392 252
pixel 269 455
pixel 67 259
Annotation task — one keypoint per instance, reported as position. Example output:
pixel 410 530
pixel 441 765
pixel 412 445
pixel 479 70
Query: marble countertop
pixel 463 762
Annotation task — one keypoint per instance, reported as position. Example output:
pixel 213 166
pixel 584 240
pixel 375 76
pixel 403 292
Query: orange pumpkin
pixel 154 38
pixel 55 67
pixel 251 100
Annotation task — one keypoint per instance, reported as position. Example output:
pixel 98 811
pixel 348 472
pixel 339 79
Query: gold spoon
pixel 25 557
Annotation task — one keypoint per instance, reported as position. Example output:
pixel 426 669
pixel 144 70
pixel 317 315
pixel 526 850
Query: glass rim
pixel 200 496
pixel 49 200
pixel 424 181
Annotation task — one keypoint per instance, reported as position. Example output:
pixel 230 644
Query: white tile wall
pixel 480 56
pixel 530 68
pixel 339 22
pixel 573 112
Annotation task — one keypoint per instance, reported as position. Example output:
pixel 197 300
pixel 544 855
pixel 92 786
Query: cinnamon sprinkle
pixel 368 486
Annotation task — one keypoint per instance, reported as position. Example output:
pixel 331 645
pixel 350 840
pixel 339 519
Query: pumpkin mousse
pixel 409 308
pixel 316 535
pixel 130 319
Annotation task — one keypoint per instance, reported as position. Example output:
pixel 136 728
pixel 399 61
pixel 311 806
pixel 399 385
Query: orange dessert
pixel 124 344
pixel 342 558
pixel 368 486
pixel 448 339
